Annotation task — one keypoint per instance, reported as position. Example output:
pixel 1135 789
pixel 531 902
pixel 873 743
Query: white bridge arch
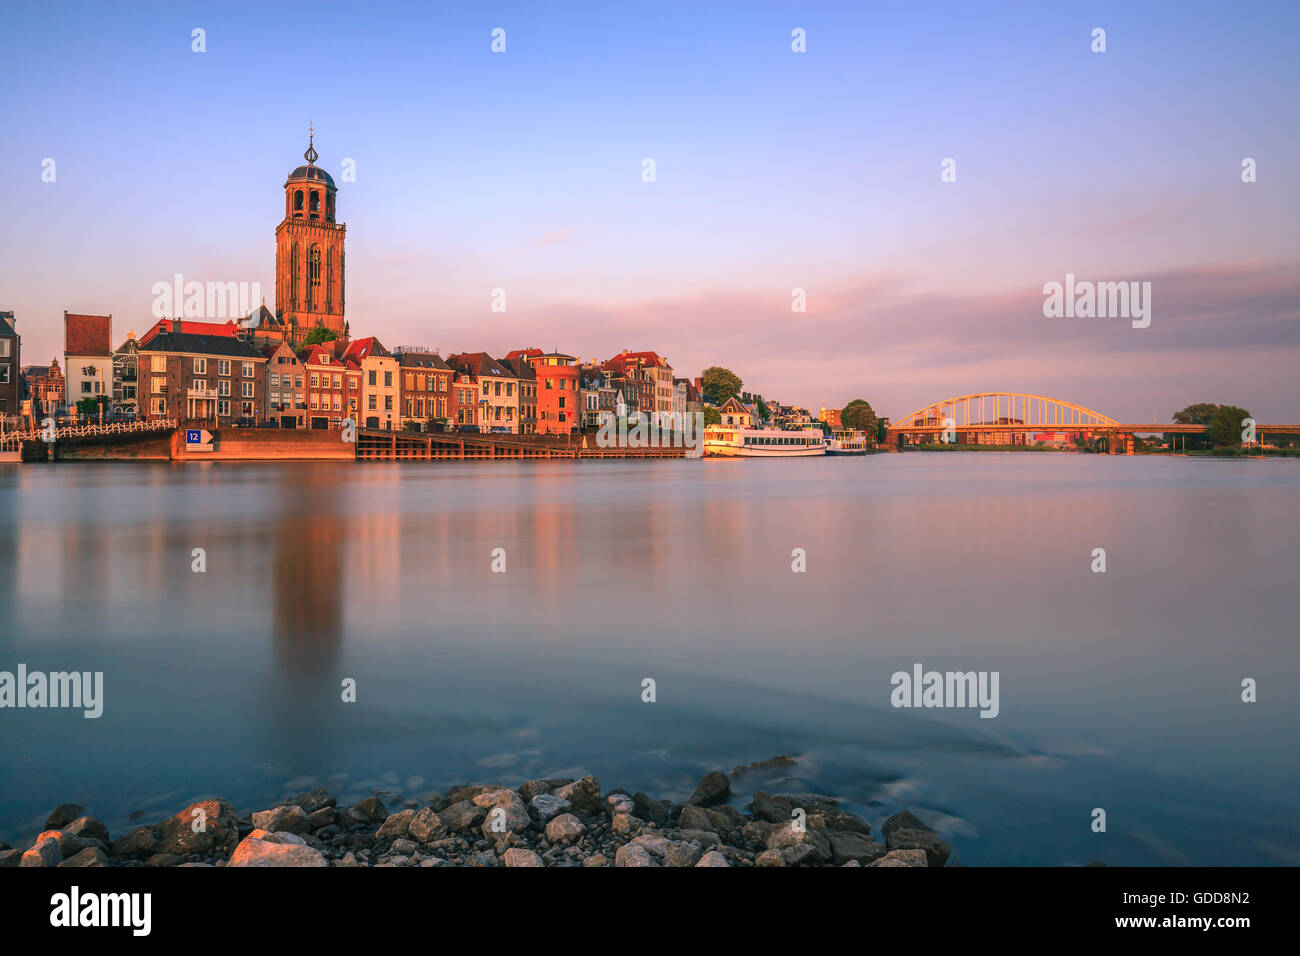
pixel 1006 409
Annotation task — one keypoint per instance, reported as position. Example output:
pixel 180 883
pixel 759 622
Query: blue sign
pixel 193 436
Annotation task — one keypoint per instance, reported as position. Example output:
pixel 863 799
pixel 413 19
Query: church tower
pixel 309 253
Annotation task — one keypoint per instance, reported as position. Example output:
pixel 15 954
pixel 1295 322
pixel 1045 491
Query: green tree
pixel 1198 414
pixel 319 335
pixel 720 384
pixel 712 416
pixel 858 416
pixel 89 407
pixel 760 406
pixel 1225 426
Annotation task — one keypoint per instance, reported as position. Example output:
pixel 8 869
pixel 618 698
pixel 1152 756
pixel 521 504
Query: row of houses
pixel 231 374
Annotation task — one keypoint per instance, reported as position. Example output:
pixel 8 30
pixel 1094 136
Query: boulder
pixel 44 852
pixel 517 856
pixel 789 834
pixel 936 849
pixel 89 828
pixel 290 818
pixel 63 815
pixel 256 852
pixel 90 856
pixel 668 852
pixel 547 806
pixel 901 858
pixel 206 827
pixel 713 788
pixel 396 825
pixel 506 812
pixel 425 826
pixel 619 802
pixel 369 810
pixel 722 819
pixel 583 795
pixel 314 801
pixel 848 847
pixel 10 857
pixel 137 844
pixel 769 858
pixel 566 828
pixel 713 858
pixel 647 808
pixel 633 854
pixel 902 820
pixel 462 815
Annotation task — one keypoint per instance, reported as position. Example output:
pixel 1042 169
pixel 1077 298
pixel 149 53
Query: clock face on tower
pixel 309 253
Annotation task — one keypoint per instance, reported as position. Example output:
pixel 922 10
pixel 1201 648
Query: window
pixel 200 366
pixel 315 401
pixel 338 403
pixel 388 379
pixel 372 403
pixel 160 406
pixel 374 377
pixel 388 403
pixel 297 381
pixel 200 385
pixel 338 381
pixel 159 363
pixel 315 380
pixel 273 380
pixel 410 380
pixel 223 386
pixel 4 348
pixel 248 370
pixel 247 391
pixel 486 388
pixel 159 385
pixel 247 409
pixel 85 388
pixel 498 389
pixel 223 408
pixel 223 367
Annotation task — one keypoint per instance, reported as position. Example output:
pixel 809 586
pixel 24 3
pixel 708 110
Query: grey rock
pixel 90 856
pixel 506 812
pixel 713 858
pixel 10 857
pixel 633 855
pixel 370 810
pixel 314 801
pixel 89 828
pixel 712 789
pixel 45 852
pixel 853 847
pixel 668 852
pixel 137 844
pixel 656 811
pixel 425 826
pixel 547 806
pixel 462 815
pixel 206 827
pixel 584 794
pixel 903 820
pixel 63 815
pixel 256 852
pixel 901 858
pixel 936 849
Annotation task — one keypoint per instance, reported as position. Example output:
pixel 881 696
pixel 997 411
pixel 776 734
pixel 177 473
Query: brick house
pixel 216 379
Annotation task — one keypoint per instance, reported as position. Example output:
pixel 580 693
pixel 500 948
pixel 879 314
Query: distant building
pixel 464 394
pixel 218 379
pixel 380 385
pixel 44 387
pixel 87 356
pixel 498 390
pixel 333 388
pixel 735 413
pixel 11 388
pixel 831 416
pixel 191 327
pixel 286 386
pixel 654 372
pixel 599 397
pixel 425 395
pixel 125 377
pixel 518 362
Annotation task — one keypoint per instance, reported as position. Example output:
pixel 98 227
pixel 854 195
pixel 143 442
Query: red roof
pixel 363 348
pixel 87 334
pixel 191 328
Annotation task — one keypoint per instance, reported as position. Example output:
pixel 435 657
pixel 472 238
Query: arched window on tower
pixel 315 204
pixel 295 276
pixel 297 204
pixel 329 207
pixel 313 276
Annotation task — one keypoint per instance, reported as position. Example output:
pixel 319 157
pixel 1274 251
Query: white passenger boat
pixel 847 443
pixel 728 441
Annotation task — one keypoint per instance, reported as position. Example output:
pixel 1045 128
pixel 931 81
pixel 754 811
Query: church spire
pixel 311 155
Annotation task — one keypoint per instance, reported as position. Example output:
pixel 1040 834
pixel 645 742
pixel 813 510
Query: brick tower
pixel 309 253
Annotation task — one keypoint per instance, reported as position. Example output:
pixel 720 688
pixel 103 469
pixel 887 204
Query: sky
pixel 775 170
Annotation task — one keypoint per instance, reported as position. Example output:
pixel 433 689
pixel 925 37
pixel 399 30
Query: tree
pixel 720 384
pixel 319 335
pixel 1225 426
pixel 712 416
pixel 89 407
pixel 761 407
pixel 1198 414
pixel 858 416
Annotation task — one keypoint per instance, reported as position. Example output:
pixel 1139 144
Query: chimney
pixel 176 325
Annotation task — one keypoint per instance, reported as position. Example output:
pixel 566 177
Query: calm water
pixel 1118 690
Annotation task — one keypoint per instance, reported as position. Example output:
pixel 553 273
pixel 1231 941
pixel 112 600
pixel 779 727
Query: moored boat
pixel 847 443
pixel 729 441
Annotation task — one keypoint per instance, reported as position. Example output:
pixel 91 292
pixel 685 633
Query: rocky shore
pixel 558 822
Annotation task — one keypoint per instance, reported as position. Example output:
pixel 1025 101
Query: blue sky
pixel 775 170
